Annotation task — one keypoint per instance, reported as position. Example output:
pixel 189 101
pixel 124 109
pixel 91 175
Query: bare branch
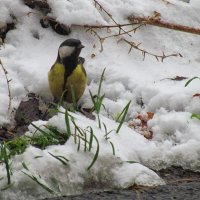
pixel 144 52
pixel 8 84
pixel 122 32
pixel 163 24
pixel 100 26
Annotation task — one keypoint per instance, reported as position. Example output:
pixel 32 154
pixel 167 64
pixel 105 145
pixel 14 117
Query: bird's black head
pixel 70 49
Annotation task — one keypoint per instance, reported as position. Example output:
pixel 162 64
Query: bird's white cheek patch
pixel 66 51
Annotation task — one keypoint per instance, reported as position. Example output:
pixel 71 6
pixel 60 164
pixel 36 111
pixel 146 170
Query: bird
pixel 67 77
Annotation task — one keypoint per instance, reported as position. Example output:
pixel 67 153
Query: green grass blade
pixel 106 131
pixel 105 128
pixel 67 123
pixel 99 103
pixel 61 98
pixel 79 144
pixel 39 129
pixel 96 154
pixel 131 161
pixel 25 166
pixel 99 120
pixel 91 96
pixel 78 128
pixel 75 136
pixel 100 84
pixel 125 111
pixel 91 138
pixel 120 114
pixel 7 187
pixel 36 157
pixel 189 81
pixel 44 186
pixel 73 98
pixel 197 116
pixel 85 141
pixel 62 159
pixel 113 148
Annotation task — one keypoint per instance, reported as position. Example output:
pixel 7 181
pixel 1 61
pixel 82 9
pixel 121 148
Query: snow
pixel 176 139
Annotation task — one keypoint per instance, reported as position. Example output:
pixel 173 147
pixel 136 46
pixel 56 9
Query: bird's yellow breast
pixel 76 80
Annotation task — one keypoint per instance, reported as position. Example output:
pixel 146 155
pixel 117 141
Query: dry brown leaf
pixel 196 95
pixel 139 124
pixel 150 115
pixel 93 55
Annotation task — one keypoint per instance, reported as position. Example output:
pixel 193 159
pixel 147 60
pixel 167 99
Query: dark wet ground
pixel 30 109
pixel 183 191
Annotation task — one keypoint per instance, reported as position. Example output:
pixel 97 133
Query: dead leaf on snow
pixel 139 124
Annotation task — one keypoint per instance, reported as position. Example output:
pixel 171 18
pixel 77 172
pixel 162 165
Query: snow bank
pixel 30 51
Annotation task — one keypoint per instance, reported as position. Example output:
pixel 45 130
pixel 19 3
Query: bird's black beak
pixel 80 46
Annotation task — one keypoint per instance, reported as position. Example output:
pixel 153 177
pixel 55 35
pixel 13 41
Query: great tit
pixel 67 75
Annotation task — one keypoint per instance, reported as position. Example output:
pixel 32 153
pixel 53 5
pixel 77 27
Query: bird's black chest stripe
pixel 69 65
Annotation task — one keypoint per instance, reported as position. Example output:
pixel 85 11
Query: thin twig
pixel 132 30
pixel 101 40
pixel 8 84
pixel 115 22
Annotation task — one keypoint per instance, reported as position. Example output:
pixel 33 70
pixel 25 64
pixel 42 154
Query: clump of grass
pixel 5 158
pixel 51 136
pixel 8 149
pixel 17 145
pixel 81 134
pixel 97 100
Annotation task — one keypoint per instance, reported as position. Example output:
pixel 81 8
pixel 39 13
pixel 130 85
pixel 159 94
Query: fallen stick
pixel 163 24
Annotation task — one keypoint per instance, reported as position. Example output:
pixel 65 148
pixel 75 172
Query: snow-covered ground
pixel 176 138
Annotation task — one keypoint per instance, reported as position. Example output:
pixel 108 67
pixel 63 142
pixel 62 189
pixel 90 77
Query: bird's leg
pixel 81 60
pixel 52 109
pixel 86 111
